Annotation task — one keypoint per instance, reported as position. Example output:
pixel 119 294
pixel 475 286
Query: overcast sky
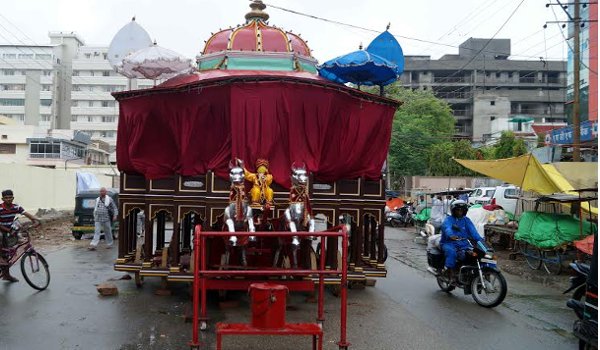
pixel 183 25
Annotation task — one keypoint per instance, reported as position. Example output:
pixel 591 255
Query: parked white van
pixel 505 196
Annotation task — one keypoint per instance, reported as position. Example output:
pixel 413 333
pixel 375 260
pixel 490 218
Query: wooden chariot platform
pixel 157 219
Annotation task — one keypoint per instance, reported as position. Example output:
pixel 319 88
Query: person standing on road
pixel 105 212
pixel 8 211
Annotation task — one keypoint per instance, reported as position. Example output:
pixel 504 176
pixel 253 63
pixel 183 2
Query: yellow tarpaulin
pixel 524 171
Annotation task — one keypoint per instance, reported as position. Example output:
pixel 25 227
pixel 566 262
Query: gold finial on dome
pixel 257 12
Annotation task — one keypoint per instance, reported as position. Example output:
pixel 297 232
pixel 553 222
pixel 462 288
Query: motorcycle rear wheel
pixel 394 223
pixel 445 284
pixel 496 281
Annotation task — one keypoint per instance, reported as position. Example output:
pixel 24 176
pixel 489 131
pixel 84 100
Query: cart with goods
pixel 545 238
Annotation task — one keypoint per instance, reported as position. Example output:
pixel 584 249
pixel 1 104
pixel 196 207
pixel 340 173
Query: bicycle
pixel 16 246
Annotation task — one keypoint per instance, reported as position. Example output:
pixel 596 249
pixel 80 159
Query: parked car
pixel 505 196
pixel 85 201
pixel 481 195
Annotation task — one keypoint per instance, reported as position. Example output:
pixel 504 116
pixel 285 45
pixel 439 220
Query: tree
pixel 510 146
pixel 519 148
pixel 419 123
pixel 504 148
pixel 441 162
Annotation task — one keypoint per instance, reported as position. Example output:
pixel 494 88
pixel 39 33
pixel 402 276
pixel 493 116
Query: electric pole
pixel 576 84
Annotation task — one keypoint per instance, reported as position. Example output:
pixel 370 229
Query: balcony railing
pixel 528 80
pixel 463 129
pixel 449 79
pixel 455 95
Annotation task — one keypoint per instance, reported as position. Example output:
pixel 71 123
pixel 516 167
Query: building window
pixel 108 119
pixel 90 103
pixel 492 103
pixel 17 117
pixel 90 119
pixel 46 87
pixel 105 56
pixel 75 73
pixel 497 74
pixel 74 118
pixel 26 56
pixel 8 148
pixel 43 56
pixel 88 55
pixel 12 102
pixel 45 102
pixel 108 103
pixel 10 55
pixel 44 149
pixel 12 87
pixel 74 103
pixel 47 73
pixel 106 73
pixel 8 72
pixel 45 117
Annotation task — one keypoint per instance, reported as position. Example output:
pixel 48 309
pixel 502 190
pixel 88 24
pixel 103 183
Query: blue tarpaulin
pixel 359 67
pixel 386 46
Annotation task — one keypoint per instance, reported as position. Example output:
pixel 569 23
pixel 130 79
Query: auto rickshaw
pixel 83 221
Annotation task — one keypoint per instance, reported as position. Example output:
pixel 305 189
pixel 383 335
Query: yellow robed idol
pixel 261 192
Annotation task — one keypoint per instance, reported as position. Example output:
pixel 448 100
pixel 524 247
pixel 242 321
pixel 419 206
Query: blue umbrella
pixel 361 68
pixel 386 46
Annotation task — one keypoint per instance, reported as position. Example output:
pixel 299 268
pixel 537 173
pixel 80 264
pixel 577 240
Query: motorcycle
pixel 585 328
pixel 406 214
pixel 400 216
pixel 477 274
pixel 392 217
pixel 578 281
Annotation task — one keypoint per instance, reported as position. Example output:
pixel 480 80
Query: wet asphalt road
pixel 404 311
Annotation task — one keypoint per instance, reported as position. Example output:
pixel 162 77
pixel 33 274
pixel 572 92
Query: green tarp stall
pixel 424 215
pixel 545 230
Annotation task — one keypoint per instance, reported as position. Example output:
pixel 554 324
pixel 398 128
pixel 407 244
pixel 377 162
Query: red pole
pixel 195 344
pixel 343 344
pixel 320 317
pixel 203 281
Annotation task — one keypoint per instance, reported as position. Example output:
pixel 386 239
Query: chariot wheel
pixel 139 280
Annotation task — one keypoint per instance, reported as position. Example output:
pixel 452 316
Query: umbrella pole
pixel 381 90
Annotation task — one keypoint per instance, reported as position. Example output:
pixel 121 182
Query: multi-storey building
pixel 588 65
pixel 63 85
pixel 487 91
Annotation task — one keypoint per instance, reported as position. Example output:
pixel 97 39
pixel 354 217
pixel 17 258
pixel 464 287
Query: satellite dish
pixel 128 39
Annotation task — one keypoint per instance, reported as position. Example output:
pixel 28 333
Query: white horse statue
pixel 238 214
pixel 298 215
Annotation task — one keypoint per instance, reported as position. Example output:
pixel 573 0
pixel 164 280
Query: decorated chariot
pixel 254 141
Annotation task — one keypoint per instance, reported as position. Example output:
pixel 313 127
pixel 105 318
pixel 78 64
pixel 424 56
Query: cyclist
pixel 8 211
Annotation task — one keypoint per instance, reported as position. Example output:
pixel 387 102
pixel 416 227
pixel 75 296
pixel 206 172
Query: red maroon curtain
pixel 337 135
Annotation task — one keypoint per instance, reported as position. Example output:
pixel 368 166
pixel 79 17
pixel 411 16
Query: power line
pixel 379 31
pixel 567 41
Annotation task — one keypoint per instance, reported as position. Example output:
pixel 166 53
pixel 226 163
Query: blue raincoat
pixel 456 249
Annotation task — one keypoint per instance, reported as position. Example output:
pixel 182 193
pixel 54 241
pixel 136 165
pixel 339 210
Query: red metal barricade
pixel 260 325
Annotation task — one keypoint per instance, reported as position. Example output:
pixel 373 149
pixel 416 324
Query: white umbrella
pixel 154 62
pixel 128 39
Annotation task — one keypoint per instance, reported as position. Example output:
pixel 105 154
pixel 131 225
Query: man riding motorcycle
pixel 456 229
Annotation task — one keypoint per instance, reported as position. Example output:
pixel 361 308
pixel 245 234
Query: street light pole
pixel 576 84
